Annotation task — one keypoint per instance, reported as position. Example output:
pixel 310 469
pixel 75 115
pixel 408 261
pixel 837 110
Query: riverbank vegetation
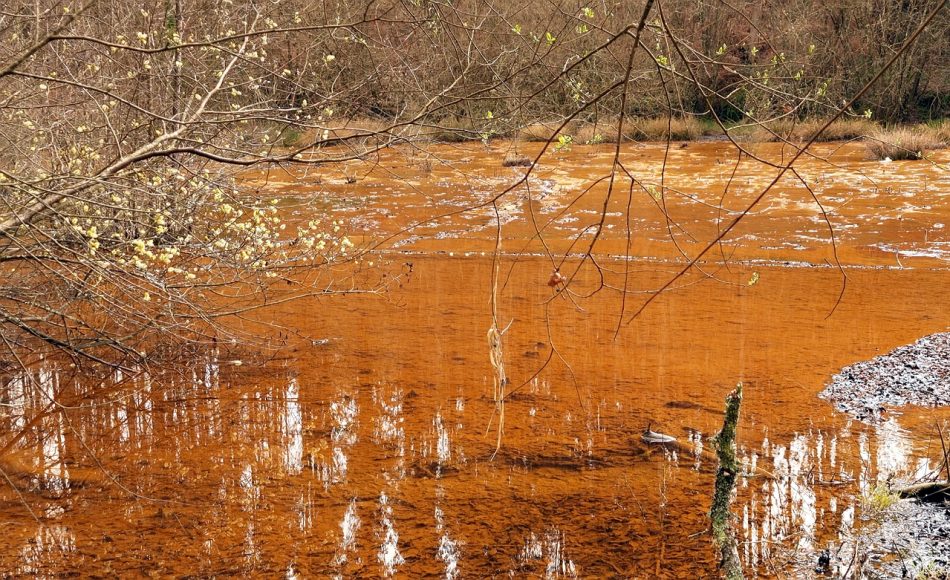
pixel 897 141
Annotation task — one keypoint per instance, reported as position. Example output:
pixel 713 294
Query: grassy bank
pixel 908 142
pixel 882 142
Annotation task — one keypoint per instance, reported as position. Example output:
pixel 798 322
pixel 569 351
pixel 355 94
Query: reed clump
pixel 878 499
pixel 515 159
pixel 904 142
pixel 662 128
pixel 942 130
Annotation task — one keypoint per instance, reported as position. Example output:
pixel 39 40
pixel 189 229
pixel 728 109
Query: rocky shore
pixel 915 374
pixel 912 538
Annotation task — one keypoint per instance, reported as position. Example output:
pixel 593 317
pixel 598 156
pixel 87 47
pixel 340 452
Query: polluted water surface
pixel 364 444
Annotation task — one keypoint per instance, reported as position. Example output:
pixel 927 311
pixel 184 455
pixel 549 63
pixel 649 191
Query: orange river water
pixel 365 445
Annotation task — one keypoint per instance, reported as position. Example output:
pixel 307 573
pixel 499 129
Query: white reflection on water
pixel 305 509
pixel 143 418
pixel 443 451
pixel 894 449
pixel 50 543
pixel 389 429
pixel 388 554
pixel 349 525
pixel 448 551
pixel 802 492
pixel 122 418
pixel 343 434
pixel 847 520
pixel 16 395
pixel 550 549
pixel 251 553
pixel 27 391
pixel 925 470
pixel 788 506
pixel 806 488
pixel 208 383
pixel 344 413
pixel 292 428
pixel 291 572
pixel 55 473
pixel 252 492
pixel 777 516
pixel 212 371
pixel 833 452
pixel 695 439
pixel 339 467
pixel 864 471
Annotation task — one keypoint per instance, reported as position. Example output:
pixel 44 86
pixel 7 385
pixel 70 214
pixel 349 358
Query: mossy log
pixel 722 529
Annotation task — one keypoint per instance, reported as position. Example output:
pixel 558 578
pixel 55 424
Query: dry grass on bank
pixel 643 129
pixel 661 129
pixel 942 130
pixel 799 131
pixel 841 130
pixel 539 132
pixel 605 131
pixel 905 142
pixel 596 133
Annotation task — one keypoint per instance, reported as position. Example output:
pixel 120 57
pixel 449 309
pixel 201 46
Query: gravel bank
pixel 915 374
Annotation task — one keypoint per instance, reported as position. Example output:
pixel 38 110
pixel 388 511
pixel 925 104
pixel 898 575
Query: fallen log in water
pixel 722 530
pixel 935 491
pixel 932 491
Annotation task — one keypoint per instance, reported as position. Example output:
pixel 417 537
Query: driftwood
pixel 655 437
pixel 935 491
pixel 722 530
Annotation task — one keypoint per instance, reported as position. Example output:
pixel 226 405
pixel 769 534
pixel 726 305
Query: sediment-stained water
pixel 364 443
